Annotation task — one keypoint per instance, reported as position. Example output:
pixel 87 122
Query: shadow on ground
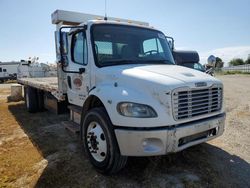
pixel 201 166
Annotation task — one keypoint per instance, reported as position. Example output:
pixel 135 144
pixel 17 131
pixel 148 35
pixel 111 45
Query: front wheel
pixel 100 143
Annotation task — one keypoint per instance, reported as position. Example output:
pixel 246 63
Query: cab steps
pixel 73 125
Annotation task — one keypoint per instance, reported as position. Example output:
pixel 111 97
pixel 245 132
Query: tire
pixel 96 132
pixel 40 100
pixel 31 100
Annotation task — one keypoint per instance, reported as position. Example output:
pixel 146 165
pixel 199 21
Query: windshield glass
pixel 116 44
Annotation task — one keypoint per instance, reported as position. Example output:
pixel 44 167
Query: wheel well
pixel 95 102
pixel 92 102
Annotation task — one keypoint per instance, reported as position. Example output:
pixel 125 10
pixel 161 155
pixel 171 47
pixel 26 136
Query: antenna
pixel 105 17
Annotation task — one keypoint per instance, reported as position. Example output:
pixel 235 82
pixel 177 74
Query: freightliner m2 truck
pixel 124 91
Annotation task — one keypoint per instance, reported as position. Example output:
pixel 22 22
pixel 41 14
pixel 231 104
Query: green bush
pixel 247 61
pixel 237 61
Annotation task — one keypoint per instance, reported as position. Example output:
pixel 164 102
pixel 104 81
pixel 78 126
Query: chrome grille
pixel 188 103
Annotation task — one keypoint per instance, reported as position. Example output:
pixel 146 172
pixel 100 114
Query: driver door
pixel 77 83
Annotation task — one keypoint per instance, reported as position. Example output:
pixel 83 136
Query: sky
pixel 212 27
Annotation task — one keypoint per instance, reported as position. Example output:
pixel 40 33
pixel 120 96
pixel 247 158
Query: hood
pixel 167 75
pixel 180 73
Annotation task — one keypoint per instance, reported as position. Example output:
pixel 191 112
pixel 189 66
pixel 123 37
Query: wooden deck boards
pixel 47 83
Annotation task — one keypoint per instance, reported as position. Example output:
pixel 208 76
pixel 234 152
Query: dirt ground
pixel 36 150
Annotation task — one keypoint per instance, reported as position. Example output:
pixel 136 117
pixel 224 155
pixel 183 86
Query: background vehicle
pixel 32 68
pixel 8 71
pixel 126 95
pixel 188 59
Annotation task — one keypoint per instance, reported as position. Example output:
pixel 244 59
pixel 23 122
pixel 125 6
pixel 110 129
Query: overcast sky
pixel 218 27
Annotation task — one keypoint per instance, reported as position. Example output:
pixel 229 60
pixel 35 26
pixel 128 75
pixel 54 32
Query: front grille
pixel 188 103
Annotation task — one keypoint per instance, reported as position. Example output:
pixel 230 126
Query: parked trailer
pixel 126 95
pixel 8 70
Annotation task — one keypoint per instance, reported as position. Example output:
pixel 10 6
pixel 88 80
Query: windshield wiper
pixel 159 61
pixel 135 61
pixel 120 61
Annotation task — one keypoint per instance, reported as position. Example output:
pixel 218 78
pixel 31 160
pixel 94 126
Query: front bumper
pixel 161 141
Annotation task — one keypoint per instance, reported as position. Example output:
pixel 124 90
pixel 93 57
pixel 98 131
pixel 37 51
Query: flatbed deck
pixel 49 84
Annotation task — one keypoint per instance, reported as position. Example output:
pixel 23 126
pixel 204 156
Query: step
pixel 75 108
pixel 71 126
pixel 75 113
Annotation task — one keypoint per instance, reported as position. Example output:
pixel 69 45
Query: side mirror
pixel 61 39
pixel 183 57
pixel 62 48
pixel 170 41
pixel 64 43
pixel 211 61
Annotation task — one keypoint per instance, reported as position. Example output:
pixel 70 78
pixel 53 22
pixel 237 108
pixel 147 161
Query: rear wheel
pixel 40 100
pixel 31 100
pixel 100 143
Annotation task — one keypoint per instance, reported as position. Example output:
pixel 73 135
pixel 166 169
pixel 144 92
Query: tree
pixel 235 62
pixel 247 61
pixel 219 63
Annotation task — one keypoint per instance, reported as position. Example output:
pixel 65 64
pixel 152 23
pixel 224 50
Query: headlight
pixel 130 109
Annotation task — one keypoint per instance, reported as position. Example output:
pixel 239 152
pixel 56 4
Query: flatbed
pixel 49 84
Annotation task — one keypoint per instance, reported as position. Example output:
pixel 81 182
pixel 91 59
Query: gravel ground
pixel 35 150
pixel 4 91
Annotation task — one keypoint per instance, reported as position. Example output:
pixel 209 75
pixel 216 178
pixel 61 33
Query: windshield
pixel 117 44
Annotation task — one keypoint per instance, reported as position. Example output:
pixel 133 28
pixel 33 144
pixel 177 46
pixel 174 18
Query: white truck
pixel 8 70
pixel 32 68
pixel 125 92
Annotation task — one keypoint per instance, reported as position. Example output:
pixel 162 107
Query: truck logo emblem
pixel 77 82
pixel 200 84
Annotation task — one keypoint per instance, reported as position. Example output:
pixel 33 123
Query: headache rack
pixel 75 18
pixel 189 103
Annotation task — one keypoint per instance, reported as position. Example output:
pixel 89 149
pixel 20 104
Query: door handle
pixel 81 70
pixel 69 82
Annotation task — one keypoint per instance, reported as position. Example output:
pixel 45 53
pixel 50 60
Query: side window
pixel 0 69
pixel 79 48
pixel 152 45
pixel 4 70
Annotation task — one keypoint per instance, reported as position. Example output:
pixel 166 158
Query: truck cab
pixel 132 98
pixel 188 59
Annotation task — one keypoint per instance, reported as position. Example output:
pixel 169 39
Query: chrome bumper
pixel 168 140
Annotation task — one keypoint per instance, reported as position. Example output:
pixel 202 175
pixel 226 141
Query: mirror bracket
pixel 81 70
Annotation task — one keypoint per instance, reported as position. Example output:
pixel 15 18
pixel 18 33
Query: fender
pixel 111 95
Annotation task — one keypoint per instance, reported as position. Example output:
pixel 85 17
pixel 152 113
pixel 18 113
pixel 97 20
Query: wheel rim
pixel 96 141
pixel 27 101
